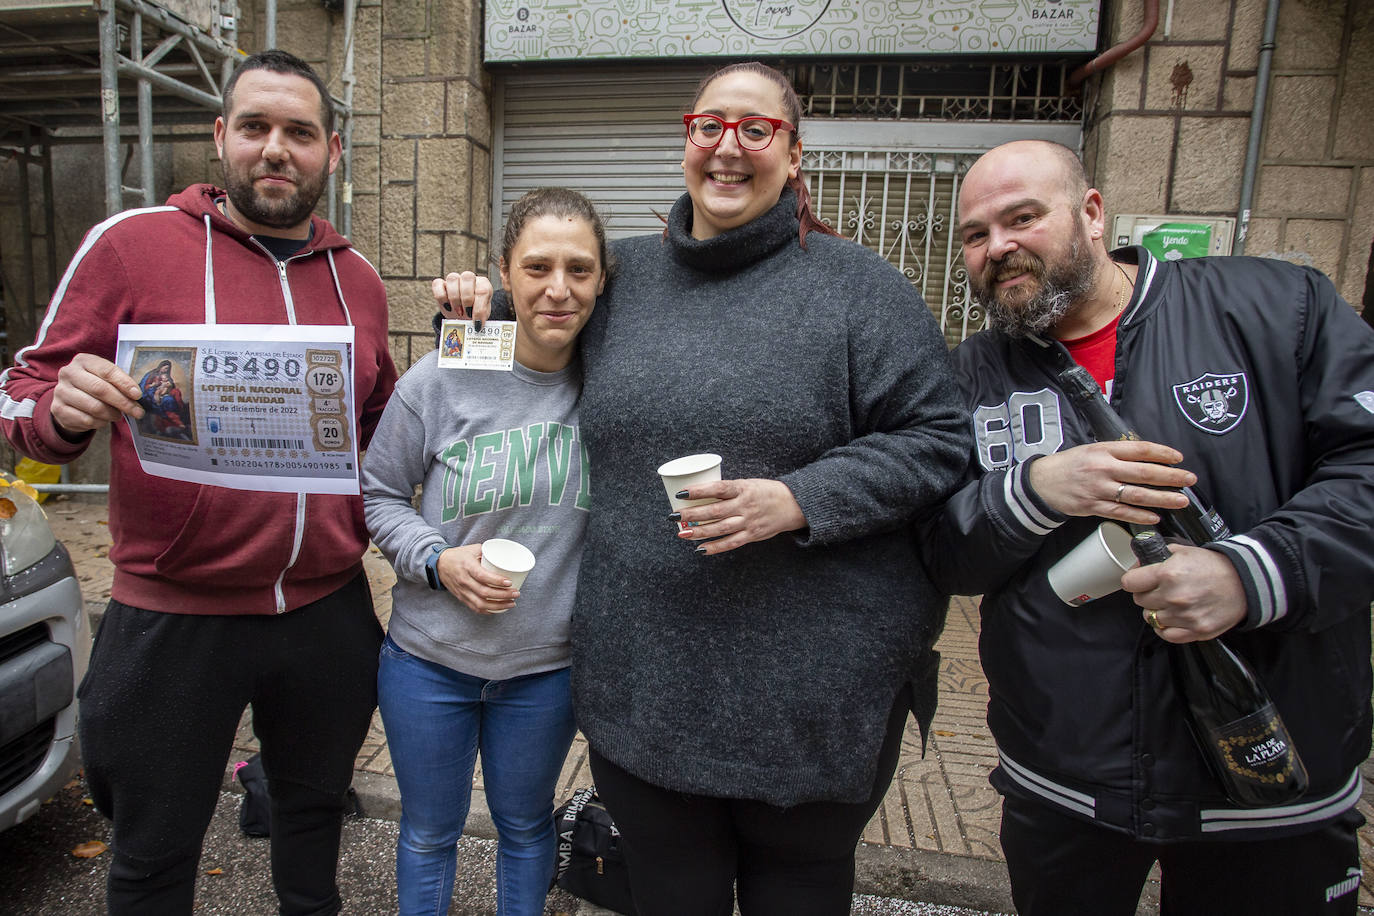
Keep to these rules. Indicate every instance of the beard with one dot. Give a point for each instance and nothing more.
(1033, 307)
(277, 212)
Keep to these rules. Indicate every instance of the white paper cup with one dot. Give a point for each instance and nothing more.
(512, 560)
(1094, 567)
(681, 473)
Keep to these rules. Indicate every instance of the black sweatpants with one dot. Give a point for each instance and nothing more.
(1061, 866)
(688, 855)
(159, 708)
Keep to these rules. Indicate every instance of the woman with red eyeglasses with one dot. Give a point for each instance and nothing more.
(744, 684)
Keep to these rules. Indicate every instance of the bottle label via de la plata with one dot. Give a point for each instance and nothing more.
(1257, 747)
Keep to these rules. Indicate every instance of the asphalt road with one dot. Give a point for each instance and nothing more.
(39, 876)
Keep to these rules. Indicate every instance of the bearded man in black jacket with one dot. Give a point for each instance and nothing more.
(1248, 379)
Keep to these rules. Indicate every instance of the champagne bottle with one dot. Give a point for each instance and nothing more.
(1195, 522)
(1230, 714)
(1232, 718)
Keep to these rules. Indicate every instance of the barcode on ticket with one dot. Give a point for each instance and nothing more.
(248, 442)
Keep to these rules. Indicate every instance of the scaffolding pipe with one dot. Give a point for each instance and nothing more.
(229, 20)
(269, 32)
(109, 104)
(52, 75)
(204, 70)
(170, 23)
(30, 42)
(145, 115)
(161, 51)
(49, 215)
(166, 83)
(71, 487)
(72, 139)
(26, 230)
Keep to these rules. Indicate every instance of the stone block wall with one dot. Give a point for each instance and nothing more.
(1170, 122)
(421, 137)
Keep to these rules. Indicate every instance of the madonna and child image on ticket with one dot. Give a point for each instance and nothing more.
(462, 346)
(252, 407)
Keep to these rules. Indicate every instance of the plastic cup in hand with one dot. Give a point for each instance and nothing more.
(509, 559)
(1093, 568)
(684, 472)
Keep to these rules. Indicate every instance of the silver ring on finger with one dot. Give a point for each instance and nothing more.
(1119, 490)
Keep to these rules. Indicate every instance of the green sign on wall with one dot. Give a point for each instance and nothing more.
(1172, 241)
(534, 30)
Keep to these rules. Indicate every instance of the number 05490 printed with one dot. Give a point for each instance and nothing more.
(253, 407)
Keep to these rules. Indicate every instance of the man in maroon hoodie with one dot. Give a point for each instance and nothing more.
(221, 598)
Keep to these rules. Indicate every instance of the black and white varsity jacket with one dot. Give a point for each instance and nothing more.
(1263, 377)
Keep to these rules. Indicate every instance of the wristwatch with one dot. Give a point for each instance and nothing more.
(432, 567)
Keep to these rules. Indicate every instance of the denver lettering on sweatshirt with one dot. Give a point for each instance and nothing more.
(511, 467)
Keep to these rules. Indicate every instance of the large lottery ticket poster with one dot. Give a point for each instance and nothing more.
(253, 407)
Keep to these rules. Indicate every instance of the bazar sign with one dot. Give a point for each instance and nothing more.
(535, 30)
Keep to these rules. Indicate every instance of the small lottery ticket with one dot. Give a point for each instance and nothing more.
(462, 346)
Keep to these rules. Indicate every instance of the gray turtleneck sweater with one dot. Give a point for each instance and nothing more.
(767, 672)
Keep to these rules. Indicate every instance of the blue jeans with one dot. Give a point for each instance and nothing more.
(436, 720)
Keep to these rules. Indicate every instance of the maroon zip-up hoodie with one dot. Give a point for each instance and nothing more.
(182, 547)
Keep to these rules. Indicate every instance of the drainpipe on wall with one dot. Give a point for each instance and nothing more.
(1252, 151)
(1114, 54)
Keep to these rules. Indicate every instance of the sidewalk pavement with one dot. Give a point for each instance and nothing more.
(934, 839)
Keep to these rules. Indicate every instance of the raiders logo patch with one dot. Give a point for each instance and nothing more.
(1214, 403)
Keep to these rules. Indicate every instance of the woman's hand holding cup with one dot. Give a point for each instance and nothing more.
(464, 577)
(744, 511)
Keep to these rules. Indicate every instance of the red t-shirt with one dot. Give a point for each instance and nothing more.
(1096, 352)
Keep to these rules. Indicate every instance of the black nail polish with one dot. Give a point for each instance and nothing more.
(477, 326)
(700, 548)
(674, 516)
(681, 494)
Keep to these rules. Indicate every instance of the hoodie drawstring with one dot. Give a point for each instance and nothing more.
(209, 274)
(334, 272)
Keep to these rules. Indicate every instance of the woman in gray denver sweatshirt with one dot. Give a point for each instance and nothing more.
(465, 667)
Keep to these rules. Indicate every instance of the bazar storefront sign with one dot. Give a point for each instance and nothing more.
(534, 30)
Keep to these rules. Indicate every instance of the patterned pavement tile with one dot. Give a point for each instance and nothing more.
(940, 802)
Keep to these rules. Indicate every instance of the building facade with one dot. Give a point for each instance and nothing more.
(459, 110)
(460, 106)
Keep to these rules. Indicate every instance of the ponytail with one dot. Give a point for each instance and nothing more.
(805, 215)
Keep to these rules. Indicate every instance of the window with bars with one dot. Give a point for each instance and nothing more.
(895, 189)
(941, 92)
(901, 204)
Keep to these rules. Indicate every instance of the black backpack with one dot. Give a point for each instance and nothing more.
(589, 862)
(255, 811)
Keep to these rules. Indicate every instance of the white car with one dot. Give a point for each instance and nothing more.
(45, 644)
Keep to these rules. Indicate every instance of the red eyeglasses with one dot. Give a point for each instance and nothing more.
(754, 134)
